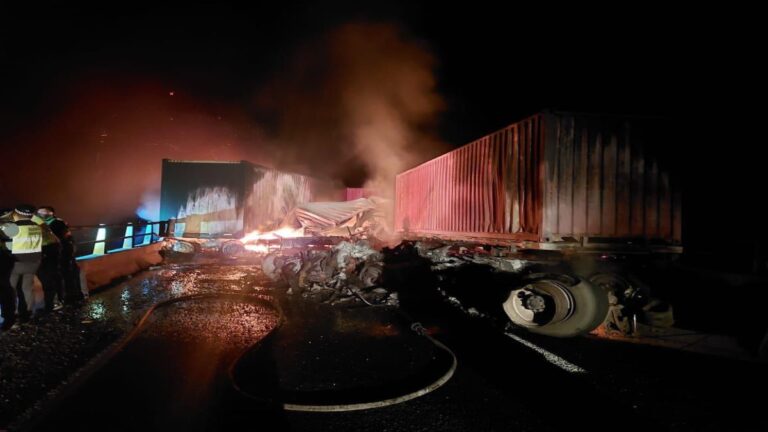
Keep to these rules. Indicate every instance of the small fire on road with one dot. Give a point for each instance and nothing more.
(254, 241)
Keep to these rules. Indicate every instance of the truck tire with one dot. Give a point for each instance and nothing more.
(232, 249)
(183, 247)
(576, 306)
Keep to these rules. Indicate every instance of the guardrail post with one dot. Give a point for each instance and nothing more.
(128, 240)
(100, 245)
(163, 228)
(147, 235)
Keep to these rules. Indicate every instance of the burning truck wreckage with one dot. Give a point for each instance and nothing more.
(548, 225)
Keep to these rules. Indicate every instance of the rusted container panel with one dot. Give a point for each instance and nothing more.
(618, 184)
(546, 178)
(488, 188)
(271, 195)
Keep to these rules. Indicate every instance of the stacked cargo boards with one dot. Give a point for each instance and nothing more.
(548, 178)
(229, 199)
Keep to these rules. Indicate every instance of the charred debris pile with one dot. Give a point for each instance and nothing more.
(360, 270)
(364, 272)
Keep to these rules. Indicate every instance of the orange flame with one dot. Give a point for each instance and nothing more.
(259, 248)
(256, 236)
(285, 232)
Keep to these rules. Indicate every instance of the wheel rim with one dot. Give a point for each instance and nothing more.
(542, 302)
(611, 283)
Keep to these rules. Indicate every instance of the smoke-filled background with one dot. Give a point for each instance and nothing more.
(356, 91)
(358, 105)
(98, 157)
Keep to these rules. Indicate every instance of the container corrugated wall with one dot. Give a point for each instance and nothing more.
(544, 178)
(206, 197)
(601, 182)
(488, 188)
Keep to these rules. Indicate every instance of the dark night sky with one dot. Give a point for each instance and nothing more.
(493, 66)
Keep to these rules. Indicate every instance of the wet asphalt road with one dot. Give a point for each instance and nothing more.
(160, 383)
(172, 374)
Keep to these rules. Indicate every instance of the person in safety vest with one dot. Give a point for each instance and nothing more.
(7, 293)
(27, 250)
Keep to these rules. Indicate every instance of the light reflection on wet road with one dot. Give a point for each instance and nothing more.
(170, 378)
(127, 302)
(173, 373)
(169, 374)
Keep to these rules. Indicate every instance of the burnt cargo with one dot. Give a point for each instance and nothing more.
(548, 178)
(223, 199)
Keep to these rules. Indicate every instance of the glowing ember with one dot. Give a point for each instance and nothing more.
(285, 232)
(259, 248)
(256, 236)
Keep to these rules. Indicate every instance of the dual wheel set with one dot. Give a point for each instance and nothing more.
(558, 305)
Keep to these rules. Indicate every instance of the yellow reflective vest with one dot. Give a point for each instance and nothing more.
(28, 240)
(48, 236)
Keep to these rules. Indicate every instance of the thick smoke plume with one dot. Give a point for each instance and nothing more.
(357, 104)
(360, 104)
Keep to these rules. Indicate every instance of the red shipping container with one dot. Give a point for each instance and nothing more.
(548, 177)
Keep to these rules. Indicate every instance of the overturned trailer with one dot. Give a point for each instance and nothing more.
(554, 187)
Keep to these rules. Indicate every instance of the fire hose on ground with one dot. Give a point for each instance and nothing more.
(415, 326)
(141, 323)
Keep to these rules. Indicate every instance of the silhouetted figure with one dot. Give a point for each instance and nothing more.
(70, 272)
(7, 293)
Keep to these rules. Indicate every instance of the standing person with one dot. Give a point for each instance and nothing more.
(49, 272)
(27, 250)
(8, 229)
(70, 272)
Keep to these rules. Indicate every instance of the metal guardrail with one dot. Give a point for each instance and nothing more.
(97, 240)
